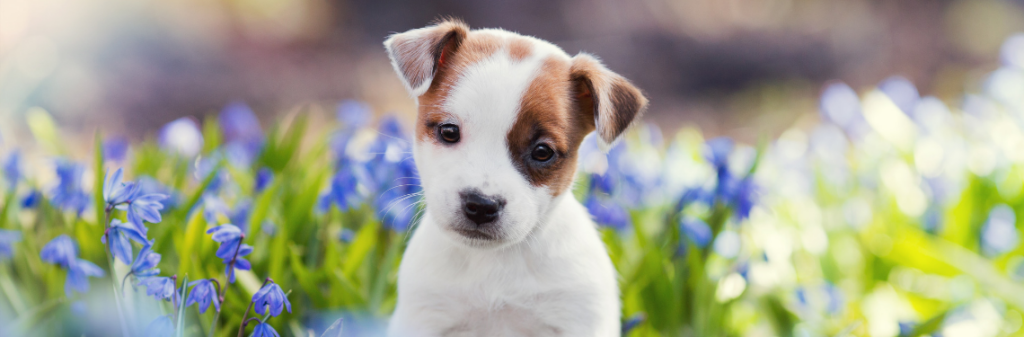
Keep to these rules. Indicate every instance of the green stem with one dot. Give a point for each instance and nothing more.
(241, 327)
(113, 278)
(10, 291)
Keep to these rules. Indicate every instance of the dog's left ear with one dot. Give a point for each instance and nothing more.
(418, 54)
(605, 98)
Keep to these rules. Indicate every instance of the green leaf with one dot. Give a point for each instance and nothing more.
(99, 174)
(929, 326)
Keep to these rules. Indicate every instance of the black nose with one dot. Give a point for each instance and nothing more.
(480, 208)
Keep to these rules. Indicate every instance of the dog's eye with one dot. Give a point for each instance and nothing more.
(449, 133)
(542, 152)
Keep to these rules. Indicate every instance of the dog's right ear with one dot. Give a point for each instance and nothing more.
(417, 54)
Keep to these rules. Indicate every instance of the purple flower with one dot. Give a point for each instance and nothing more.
(117, 240)
(145, 264)
(145, 208)
(7, 240)
(12, 169)
(632, 322)
(61, 251)
(271, 296)
(1012, 52)
(115, 148)
(240, 215)
(240, 124)
(182, 136)
(344, 188)
(696, 230)
(264, 330)
(999, 233)
(901, 91)
(232, 250)
(229, 236)
(116, 192)
(354, 114)
(79, 273)
(346, 235)
(203, 292)
(239, 262)
(69, 194)
(841, 105)
(263, 178)
(160, 327)
(742, 196)
(161, 288)
(607, 212)
(32, 199)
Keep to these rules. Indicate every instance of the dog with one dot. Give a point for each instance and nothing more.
(503, 248)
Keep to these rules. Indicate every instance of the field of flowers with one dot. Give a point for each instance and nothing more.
(890, 214)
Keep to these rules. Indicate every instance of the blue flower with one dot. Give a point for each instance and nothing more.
(115, 191)
(240, 125)
(148, 185)
(61, 251)
(841, 105)
(344, 188)
(145, 208)
(145, 264)
(607, 212)
(160, 327)
(263, 178)
(79, 273)
(742, 196)
(999, 233)
(632, 322)
(264, 330)
(181, 136)
(115, 148)
(161, 288)
(69, 194)
(203, 292)
(1012, 52)
(232, 250)
(240, 215)
(229, 236)
(7, 240)
(346, 235)
(12, 169)
(901, 91)
(214, 208)
(117, 240)
(696, 230)
(354, 114)
(271, 296)
(32, 199)
(239, 263)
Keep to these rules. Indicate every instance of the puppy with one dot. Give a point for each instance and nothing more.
(504, 249)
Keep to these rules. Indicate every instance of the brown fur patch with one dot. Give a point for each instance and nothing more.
(416, 55)
(615, 103)
(475, 47)
(549, 114)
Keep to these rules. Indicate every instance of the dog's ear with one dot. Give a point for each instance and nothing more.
(605, 98)
(417, 54)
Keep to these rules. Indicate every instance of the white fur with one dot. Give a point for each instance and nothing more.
(546, 274)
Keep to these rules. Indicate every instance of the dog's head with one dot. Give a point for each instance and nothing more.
(501, 117)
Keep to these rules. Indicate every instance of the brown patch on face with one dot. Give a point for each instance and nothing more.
(476, 47)
(548, 115)
(519, 49)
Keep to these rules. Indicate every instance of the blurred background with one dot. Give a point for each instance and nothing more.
(742, 68)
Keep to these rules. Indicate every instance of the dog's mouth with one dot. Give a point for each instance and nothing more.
(474, 234)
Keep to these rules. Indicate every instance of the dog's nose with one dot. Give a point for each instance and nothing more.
(480, 208)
